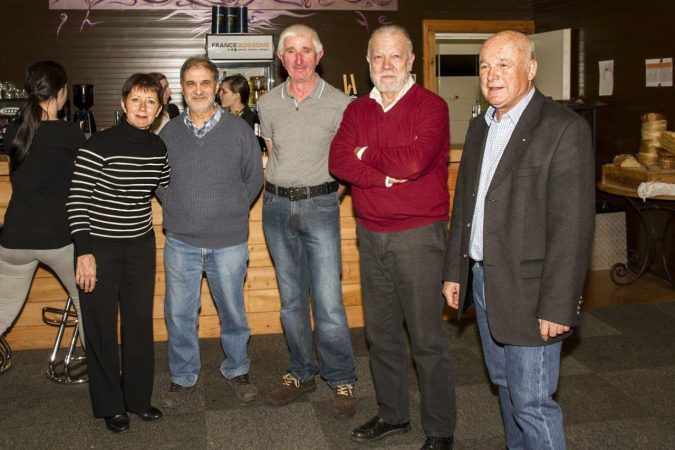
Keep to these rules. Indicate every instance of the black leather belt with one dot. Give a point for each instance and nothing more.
(302, 193)
(478, 263)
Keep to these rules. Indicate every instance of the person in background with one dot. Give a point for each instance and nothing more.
(392, 147)
(110, 217)
(233, 96)
(169, 110)
(301, 221)
(42, 152)
(216, 175)
(521, 235)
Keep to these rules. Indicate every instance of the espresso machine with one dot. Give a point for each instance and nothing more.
(83, 99)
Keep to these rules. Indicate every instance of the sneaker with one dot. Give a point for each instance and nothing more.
(245, 391)
(344, 402)
(178, 395)
(290, 389)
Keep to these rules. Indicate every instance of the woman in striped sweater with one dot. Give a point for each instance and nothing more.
(111, 224)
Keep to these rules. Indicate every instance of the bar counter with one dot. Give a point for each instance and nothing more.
(260, 288)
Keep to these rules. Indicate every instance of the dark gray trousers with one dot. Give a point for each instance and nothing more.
(401, 280)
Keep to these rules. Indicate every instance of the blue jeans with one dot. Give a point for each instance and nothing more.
(527, 378)
(304, 241)
(225, 270)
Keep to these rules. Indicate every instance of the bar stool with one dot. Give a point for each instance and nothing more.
(72, 369)
(5, 355)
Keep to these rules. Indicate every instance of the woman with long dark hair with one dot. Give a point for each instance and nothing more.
(42, 152)
(116, 172)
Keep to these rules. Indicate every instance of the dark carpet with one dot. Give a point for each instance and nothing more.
(617, 391)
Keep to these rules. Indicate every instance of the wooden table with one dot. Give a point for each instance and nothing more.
(657, 236)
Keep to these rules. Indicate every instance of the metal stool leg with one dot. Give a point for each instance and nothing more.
(5, 355)
(71, 369)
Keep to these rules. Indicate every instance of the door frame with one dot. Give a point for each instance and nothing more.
(431, 27)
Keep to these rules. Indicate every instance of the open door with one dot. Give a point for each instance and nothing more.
(451, 65)
(554, 55)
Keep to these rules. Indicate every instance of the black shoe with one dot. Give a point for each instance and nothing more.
(150, 414)
(376, 429)
(117, 423)
(438, 443)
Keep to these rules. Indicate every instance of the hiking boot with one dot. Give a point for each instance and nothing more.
(178, 395)
(245, 391)
(290, 389)
(344, 402)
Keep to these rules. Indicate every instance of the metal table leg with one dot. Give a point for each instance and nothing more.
(656, 239)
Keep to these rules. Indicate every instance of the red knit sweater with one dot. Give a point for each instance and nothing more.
(410, 141)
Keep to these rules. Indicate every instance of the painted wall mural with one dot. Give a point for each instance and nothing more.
(351, 5)
(261, 13)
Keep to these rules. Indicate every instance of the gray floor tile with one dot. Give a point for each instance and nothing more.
(654, 389)
(623, 352)
(629, 434)
(635, 319)
(590, 398)
(265, 428)
(591, 326)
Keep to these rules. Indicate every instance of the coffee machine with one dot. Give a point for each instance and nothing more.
(9, 108)
(83, 99)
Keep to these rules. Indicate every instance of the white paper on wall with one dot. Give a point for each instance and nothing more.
(606, 78)
(659, 72)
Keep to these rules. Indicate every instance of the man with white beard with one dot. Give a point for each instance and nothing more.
(392, 147)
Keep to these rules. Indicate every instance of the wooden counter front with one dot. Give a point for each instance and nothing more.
(260, 287)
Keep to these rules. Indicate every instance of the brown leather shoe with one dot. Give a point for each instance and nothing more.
(344, 401)
(178, 395)
(243, 388)
(290, 389)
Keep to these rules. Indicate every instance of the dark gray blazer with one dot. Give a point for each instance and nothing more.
(539, 220)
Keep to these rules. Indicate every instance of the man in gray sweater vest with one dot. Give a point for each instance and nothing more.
(218, 174)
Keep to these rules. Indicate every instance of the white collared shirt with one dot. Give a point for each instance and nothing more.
(377, 95)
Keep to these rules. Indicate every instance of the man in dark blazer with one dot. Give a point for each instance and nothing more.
(521, 235)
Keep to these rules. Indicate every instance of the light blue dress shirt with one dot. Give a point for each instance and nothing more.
(498, 137)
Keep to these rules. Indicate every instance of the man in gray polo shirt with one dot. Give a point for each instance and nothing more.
(301, 220)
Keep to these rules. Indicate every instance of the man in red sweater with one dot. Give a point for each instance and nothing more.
(392, 147)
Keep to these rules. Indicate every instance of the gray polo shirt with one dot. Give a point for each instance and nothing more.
(301, 133)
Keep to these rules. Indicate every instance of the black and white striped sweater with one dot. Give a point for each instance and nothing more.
(115, 174)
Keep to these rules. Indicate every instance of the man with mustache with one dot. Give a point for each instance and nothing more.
(392, 147)
(218, 174)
